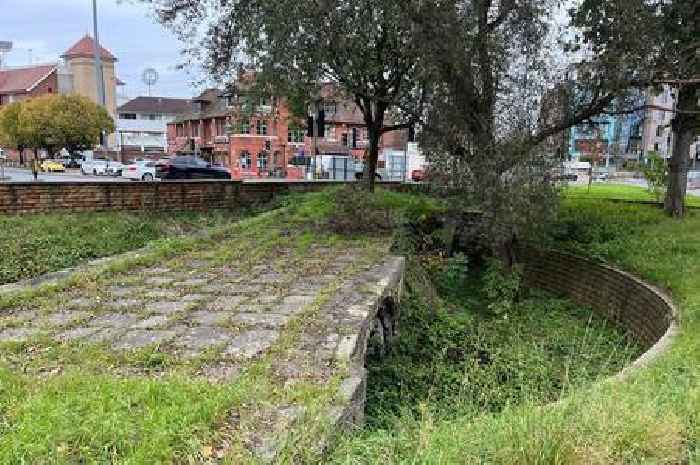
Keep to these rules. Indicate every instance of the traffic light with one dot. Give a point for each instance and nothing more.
(321, 120)
(310, 126)
(320, 124)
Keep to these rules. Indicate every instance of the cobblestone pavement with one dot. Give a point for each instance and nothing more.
(212, 315)
(187, 309)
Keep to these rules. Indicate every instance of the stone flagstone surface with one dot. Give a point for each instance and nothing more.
(313, 316)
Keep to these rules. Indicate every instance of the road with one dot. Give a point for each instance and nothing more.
(25, 175)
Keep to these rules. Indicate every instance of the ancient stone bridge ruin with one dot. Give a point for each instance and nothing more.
(293, 321)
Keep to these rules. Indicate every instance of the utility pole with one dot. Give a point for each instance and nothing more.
(99, 76)
(316, 108)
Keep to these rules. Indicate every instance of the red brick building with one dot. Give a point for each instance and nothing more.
(257, 136)
(258, 144)
(26, 82)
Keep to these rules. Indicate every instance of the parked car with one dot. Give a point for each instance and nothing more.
(418, 175)
(693, 179)
(140, 170)
(51, 166)
(600, 175)
(69, 162)
(114, 168)
(190, 167)
(95, 167)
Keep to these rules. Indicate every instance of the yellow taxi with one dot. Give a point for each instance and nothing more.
(51, 165)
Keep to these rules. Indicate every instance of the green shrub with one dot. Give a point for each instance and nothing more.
(356, 211)
(352, 210)
(656, 173)
(454, 359)
(455, 271)
(501, 287)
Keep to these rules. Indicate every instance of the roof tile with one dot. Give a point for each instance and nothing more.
(173, 106)
(18, 80)
(85, 48)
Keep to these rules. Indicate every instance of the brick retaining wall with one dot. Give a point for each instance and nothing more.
(177, 195)
(644, 311)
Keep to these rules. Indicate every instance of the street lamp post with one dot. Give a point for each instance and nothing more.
(99, 75)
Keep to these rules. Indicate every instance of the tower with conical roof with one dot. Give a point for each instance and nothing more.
(80, 62)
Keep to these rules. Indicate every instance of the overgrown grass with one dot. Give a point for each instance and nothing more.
(67, 404)
(619, 192)
(101, 419)
(31, 245)
(459, 359)
(653, 417)
(87, 415)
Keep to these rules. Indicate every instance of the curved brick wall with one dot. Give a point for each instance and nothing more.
(647, 313)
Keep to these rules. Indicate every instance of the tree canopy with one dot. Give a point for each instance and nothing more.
(54, 122)
(364, 47)
(647, 45)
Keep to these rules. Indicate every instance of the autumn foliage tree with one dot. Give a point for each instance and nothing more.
(11, 129)
(54, 122)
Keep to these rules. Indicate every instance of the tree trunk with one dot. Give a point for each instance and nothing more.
(506, 253)
(35, 164)
(683, 125)
(369, 175)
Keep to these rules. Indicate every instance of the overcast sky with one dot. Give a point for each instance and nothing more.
(43, 29)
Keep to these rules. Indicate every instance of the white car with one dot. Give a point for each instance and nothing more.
(115, 168)
(141, 170)
(96, 167)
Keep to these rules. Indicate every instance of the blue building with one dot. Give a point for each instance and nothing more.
(615, 137)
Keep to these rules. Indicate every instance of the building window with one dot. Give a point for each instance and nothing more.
(295, 135)
(243, 127)
(262, 160)
(364, 135)
(262, 127)
(344, 140)
(245, 162)
(329, 132)
(329, 107)
(180, 130)
(127, 116)
(659, 131)
(354, 135)
(220, 123)
(195, 129)
(656, 147)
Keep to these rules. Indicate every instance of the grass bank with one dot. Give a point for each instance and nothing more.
(651, 418)
(31, 245)
(604, 190)
(68, 403)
